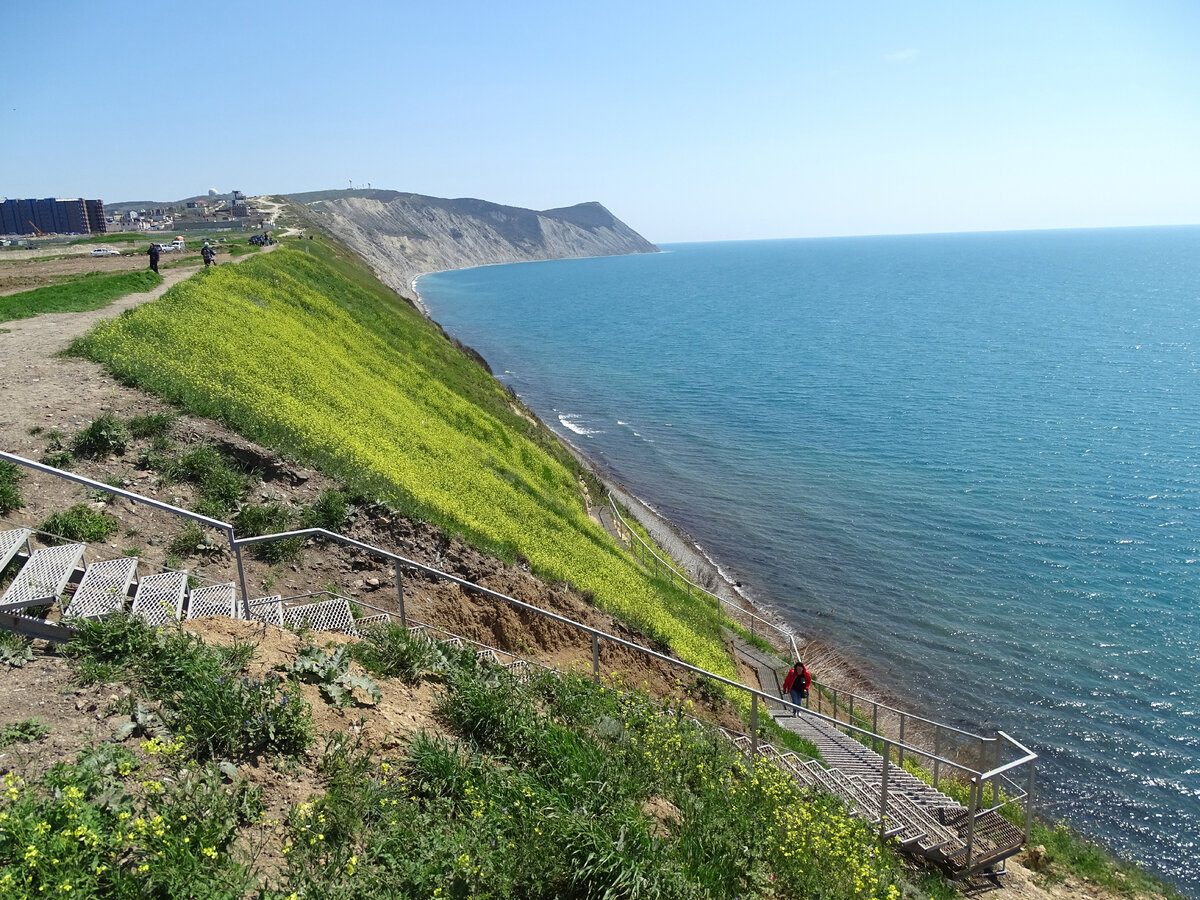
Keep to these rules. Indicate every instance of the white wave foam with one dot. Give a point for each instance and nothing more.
(572, 422)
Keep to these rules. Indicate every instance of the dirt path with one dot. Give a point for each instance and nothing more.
(38, 387)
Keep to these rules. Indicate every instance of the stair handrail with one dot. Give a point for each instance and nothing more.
(788, 635)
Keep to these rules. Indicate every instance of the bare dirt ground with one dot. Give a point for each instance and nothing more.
(40, 390)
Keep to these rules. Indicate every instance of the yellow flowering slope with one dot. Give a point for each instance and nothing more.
(289, 352)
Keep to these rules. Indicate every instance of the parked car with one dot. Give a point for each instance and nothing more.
(105, 251)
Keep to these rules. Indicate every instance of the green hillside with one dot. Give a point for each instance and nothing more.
(307, 353)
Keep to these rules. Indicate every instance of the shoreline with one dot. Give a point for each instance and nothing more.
(832, 667)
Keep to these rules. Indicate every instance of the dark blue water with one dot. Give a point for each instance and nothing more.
(970, 460)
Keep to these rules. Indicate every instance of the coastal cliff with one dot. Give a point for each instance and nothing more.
(405, 235)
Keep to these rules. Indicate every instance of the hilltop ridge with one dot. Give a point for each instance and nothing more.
(404, 235)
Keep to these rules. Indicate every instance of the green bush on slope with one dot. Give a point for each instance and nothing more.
(292, 353)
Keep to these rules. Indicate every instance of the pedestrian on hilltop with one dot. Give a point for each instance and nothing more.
(153, 251)
(796, 684)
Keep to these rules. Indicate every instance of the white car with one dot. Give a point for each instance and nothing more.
(105, 251)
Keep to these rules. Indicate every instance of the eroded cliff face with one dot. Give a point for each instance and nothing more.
(405, 235)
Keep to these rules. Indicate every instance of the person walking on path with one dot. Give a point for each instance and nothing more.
(796, 684)
(153, 251)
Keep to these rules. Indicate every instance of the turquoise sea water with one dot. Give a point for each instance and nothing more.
(972, 461)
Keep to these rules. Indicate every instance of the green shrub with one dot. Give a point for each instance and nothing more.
(15, 650)
(269, 518)
(10, 494)
(81, 523)
(331, 671)
(107, 435)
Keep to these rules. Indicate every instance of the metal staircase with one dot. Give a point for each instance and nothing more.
(921, 819)
(56, 588)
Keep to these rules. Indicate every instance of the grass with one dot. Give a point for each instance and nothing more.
(570, 789)
(213, 711)
(269, 518)
(80, 523)
(559, 788)
(10, 491)
(93, 291)
(308, 354)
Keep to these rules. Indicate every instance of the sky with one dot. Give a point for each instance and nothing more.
(690, 121)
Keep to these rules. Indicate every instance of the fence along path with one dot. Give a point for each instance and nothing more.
(961, 839)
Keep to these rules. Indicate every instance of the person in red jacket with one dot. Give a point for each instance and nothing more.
(797, 683)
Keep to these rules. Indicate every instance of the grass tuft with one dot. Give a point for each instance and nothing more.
(81, 523)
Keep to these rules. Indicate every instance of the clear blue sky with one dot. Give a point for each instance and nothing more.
(690, 121)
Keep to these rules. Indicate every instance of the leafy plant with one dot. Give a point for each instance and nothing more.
(331, 672)
(15, 650)
(23, 732)
(221, 484)
(107, 435)
(81, 523)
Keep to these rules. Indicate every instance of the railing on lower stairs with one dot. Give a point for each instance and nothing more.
(980, 830)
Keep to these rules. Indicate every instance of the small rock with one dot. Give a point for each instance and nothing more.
(373, 582)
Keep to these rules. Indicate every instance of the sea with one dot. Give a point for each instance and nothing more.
(969, 461)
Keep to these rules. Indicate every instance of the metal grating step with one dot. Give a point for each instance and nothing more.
(368, 621)
(159, 597)
(43, 577)
(104, 589)
(324, 615)
(11, 542)
(214, 600)
(267, 609)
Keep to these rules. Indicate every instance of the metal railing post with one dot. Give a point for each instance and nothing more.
(850, 713)
(237, 554)
(819, 693)
(900, 761)
(883, 789)
(400, 596)
(937, 752)
(976, 788)
(875, 719)
(595, 657)
(1029, 801)
(753, 725)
